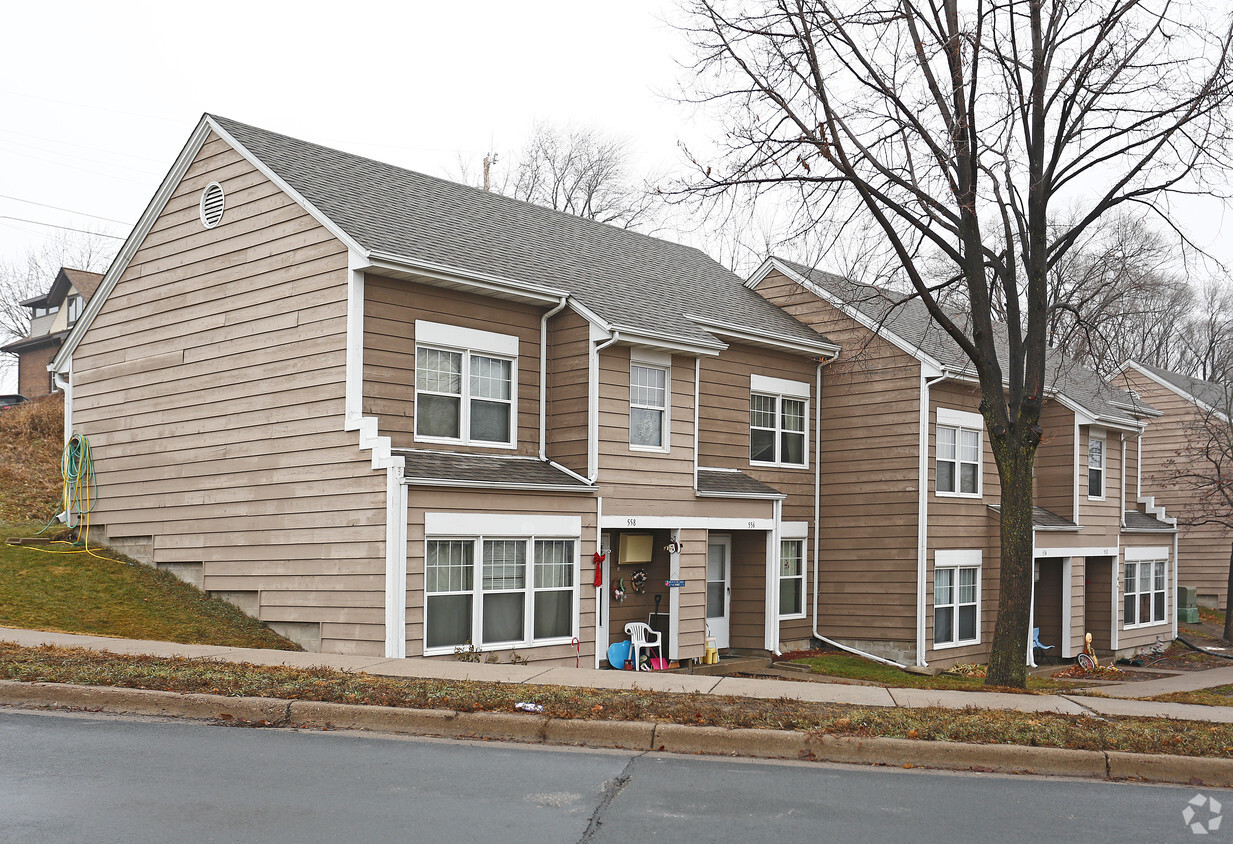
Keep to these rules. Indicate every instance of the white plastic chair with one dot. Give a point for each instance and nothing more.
(643, 638)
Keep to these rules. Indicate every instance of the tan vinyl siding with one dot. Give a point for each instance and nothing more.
(1101, 518)
(211, 386)
(870, 426)
(391, 308)
(1203, 549)
(479, 503)
(1055, 461)
(568, 385)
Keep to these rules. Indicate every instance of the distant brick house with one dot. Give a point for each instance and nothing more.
(52, 314)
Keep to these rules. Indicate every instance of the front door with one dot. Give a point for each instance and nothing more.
(718, 588)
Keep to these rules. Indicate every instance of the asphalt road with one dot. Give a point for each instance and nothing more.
(73, 778)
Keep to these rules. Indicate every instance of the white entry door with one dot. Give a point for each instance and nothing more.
(718, 588)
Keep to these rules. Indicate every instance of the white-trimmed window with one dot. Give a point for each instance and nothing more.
(956, 598)
(1144, 593)
(465, 385)
(649, 390)
(499, 591)
(792, 578)
(778, 422)
(1096, 466)
(959, 453)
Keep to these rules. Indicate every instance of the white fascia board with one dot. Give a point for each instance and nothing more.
(764, 338)
(755, 496)
(125, 256)
(453, 484)
(1173, 388)
(596, 321)
(1075, 552)
(684, 523)
(871, 324)
(480, 281)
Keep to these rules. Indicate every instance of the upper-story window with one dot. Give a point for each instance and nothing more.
(778, 421)
(465, 385)
(41, 311)
(959, 453)
(650, 380)
(74, 305)
(1096, 466)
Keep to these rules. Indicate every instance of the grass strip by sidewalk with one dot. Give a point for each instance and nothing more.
(1140, 735)
(1215, 696)
(848, 667)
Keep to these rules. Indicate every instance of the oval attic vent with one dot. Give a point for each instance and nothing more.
(212, 205)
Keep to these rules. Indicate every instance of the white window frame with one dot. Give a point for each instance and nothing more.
(468, 343)
(1103, 468)
(780, 389)
(800, 543)
(528, 590)
(1145, 559)
(959, 421)
(647, 359)
(75, 306)
(957, 561)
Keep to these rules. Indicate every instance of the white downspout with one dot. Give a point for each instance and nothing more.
(65, 385)
(817, 521)
(593, 407)
(1122, 511)
(543, 376)
(922, 513)
(697, 395)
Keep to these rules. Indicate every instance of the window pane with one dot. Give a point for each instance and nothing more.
(437, 416)
(1159, 607)
(715, 562)
(1096, 453)
(438, 371)
(448, 621)
(1095, 483)
(646, 427)
(1145, 606)
(1130, 577)
(554, 614)
(968, 478)
(967, 586)
(793, 415)
(490, 378)
(503, 617)
(790, 596)
(967, 623)
(793, 448)
(449, 566)
(505, 564)
(969, 446)
(946, 476)
(647, 386)
(762, 411)
(943, 584)
(943, 620)
(715, 600)
(1160, 577)
(790, 558)
(554, 564)
(762, 445)
(946, 443)
(1128, 610)
(490, 421)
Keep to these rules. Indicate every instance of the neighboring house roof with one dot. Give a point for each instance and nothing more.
(1208, 393)
(1136, 520)
(908, 320)
(732, 483)
(34, 342)
(67, 278)
(629, 280)
(436, 468)
(85, 282)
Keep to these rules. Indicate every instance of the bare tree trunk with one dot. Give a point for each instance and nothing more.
(1228, 616)
(1008, 660)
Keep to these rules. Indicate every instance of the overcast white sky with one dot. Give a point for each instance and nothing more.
(98, 98)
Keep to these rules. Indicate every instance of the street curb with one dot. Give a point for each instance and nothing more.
(629, 735)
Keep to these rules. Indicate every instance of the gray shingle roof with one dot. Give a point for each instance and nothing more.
(1045, 519)
(1136, 520)
(1208, 392)
(909, 319)
(440, 469)
(630, 280)
(734, 483)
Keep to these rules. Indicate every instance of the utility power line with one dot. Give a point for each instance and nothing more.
(66, 228)
(65, 210)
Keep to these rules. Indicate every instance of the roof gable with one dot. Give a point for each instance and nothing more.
(1207, 394)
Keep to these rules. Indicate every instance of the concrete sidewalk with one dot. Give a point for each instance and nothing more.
(767, 689)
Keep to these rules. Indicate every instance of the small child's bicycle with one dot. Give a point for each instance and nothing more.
(1087, 659)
